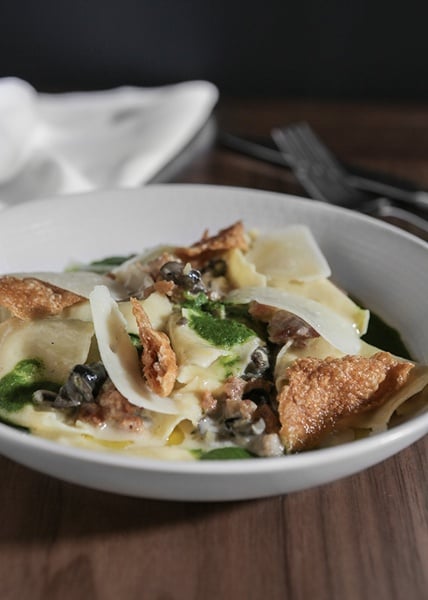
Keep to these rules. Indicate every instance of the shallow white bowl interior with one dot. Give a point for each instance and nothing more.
(379, 264)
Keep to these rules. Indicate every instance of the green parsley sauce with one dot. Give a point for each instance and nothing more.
(383, 336)
(229, 364)
(222, 333)
(18, 386)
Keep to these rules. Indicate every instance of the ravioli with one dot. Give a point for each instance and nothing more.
(290, 254)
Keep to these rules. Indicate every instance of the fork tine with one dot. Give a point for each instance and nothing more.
(296, 153)
(324, 178)
(319, 150)
(322, 181)
(301, 139)
(297, 159)
(285, 142)
(294, 140)
(314, 149)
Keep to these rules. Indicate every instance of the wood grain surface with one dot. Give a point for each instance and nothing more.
(364, 537)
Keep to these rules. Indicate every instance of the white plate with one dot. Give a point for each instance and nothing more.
(381, 265)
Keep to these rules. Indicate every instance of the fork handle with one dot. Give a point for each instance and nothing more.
(416, 198)
(383, 208)
(376, 183)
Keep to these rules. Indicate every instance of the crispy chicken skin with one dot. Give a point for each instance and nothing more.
(320, 393)
(209, 246)
(31, 298)
(158, 359)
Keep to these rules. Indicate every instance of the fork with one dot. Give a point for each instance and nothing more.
(324, 178)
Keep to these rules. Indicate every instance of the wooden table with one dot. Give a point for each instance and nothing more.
(365, 537)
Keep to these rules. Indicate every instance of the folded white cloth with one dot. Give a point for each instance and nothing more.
(80, 141)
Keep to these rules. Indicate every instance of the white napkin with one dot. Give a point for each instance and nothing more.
(80, 141)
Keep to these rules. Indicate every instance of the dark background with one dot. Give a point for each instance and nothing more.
(337, 49)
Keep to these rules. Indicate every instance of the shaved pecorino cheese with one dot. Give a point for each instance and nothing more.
(336, 329)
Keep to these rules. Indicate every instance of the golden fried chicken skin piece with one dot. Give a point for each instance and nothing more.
(158, 359)
(30, 298)
(321, 393)
(209, 246)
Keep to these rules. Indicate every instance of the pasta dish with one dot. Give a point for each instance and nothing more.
(238, 345)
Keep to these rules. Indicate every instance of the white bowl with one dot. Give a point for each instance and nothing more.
(381, 265)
